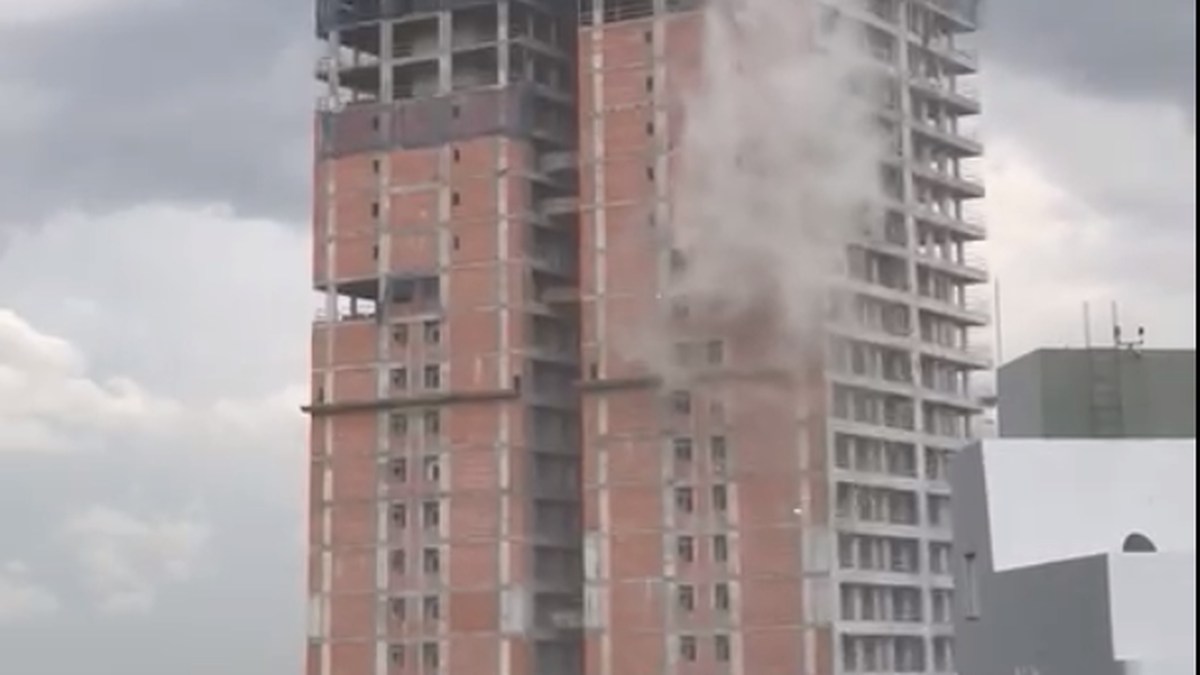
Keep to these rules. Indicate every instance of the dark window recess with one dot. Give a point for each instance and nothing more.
(433, 423)
(431, 515)
(399, 424)
(720, 548)
(721, 597)
(722, 648)
(685, 549)
(374, 209)
(400, 469)
(685, 500)
(399, 515)
(455, 199)
(375, 123)
(431, 655)
(375, 252)
(687, 648)
(432, 378)
(455, 111)
(970, 592)
(593, 371)
(719, 450)
(648, 36)
(678, 260)
(681, 403)
(432, 332)
(457, 155)
(431, 608)
(682, 448)
(649, 128)
(399, 377)
(649, 84)
(374, 166)
(402, 292)
(432, 469)
(687, 598)
(432, 561)
(454, 242)
(715, 351)
(720, 498)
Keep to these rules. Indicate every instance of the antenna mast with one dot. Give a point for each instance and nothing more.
(1106, 372)
(1133, 346)
(1087, 325)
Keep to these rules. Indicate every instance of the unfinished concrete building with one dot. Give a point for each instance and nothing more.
(445, 507)
(497, 487)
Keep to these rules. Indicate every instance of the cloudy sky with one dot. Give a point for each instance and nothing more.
(153, 310)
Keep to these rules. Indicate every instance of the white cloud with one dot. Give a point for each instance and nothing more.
(175, 370)
(50, 404)
(1127, 158)
(196, 304)
(1093, 202)
(195, 323)
(20, 596)
(127, 558)
(47, 399)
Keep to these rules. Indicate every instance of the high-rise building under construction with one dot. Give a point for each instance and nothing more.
(497, 486)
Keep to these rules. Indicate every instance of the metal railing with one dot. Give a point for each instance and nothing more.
(329, 63)
(975, 222)
(947, 49)
(975, 261)
(971, 173)
(967, 90)
(979, 352)
(970, 261)
(947, 130)
(978, 306)
(946, 87)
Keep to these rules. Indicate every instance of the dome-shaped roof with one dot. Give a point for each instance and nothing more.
(1137, 542)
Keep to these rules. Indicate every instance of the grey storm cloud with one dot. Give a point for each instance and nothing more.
(187, 101)
(1114, 48)
(211, 100)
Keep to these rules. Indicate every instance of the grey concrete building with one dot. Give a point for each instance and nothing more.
(1075, 557)
(1099, 393)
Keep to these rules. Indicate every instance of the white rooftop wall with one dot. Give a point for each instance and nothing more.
(1052, 499)
(1153, 599)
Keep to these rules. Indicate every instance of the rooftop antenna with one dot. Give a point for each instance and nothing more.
(1133, 346)
(1087, 325)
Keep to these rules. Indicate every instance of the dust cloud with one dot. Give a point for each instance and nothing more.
(780, 167)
